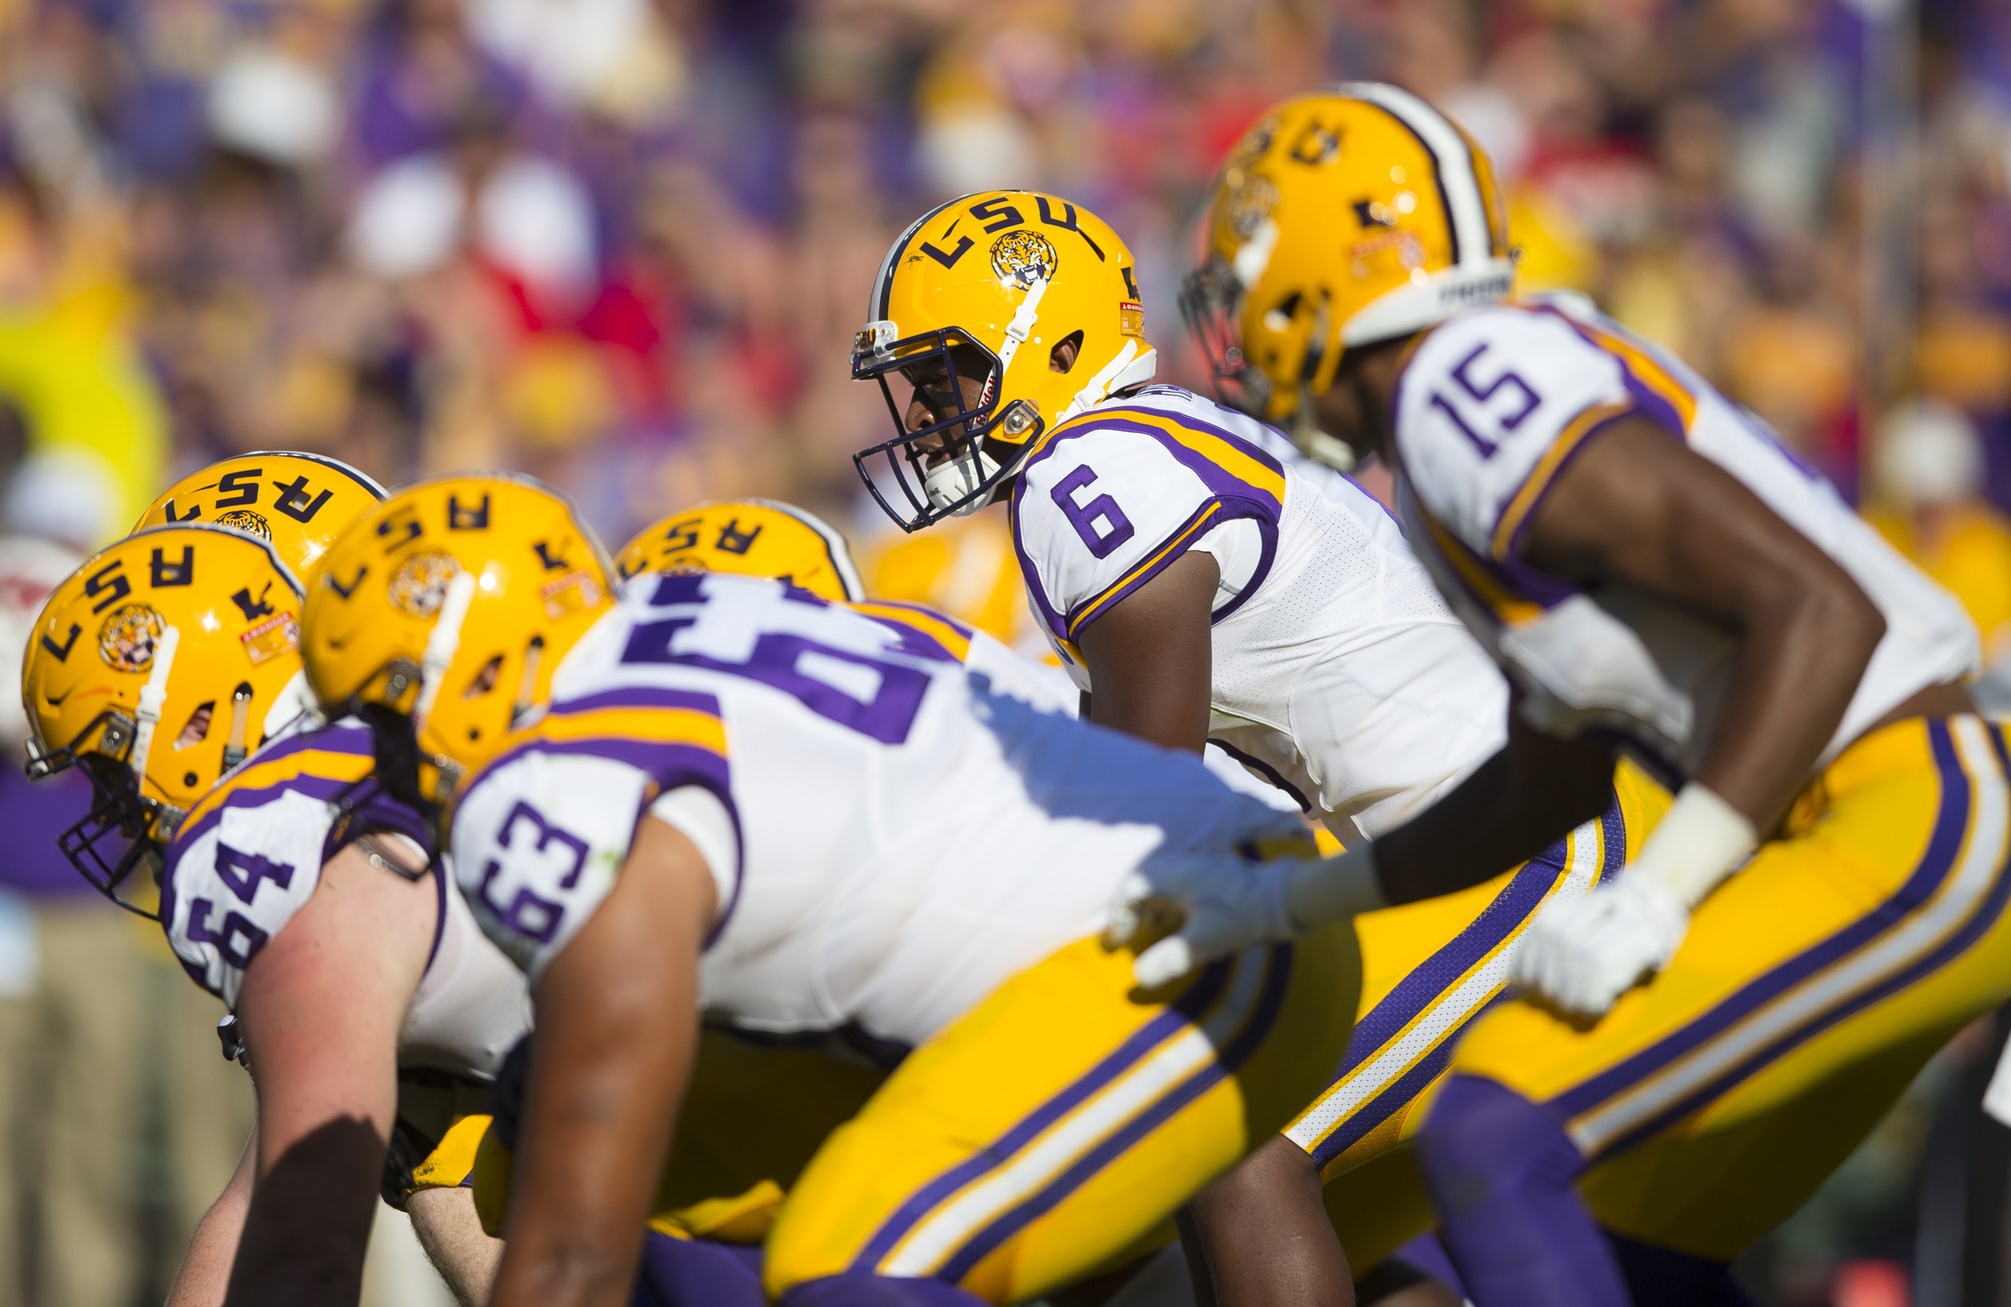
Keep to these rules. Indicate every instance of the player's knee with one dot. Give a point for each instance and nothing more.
(1275, 1168)
(1483, 1139)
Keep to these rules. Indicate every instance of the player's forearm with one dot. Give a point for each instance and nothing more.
(451, 1233)
(309, 1220)
(617, 1020)
(1518, 803)
(205, 1271)
(1803, 655)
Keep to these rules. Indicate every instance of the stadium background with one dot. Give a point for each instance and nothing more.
(623, 244)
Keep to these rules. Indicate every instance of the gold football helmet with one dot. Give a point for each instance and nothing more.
(158, 665)
(752, 537)
(989, 289)
(1345, 217)
(300, 502)
(450, 604)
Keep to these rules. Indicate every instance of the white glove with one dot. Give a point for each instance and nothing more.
(1581, 954)
(1222, 902)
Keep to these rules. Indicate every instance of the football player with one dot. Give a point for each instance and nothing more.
(1711, 1032)
(1203, 582)
(761, 537)
(291, 883)
(725, 794)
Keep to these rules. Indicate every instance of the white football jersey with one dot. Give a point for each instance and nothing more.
(1494, 402)
(250, 854)
(890, 839)
(1338, 671)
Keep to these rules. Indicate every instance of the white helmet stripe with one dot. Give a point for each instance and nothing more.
(1458, 179)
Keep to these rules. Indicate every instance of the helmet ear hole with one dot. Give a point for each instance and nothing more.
(196, 729)
(1066, 350)
(485, 680)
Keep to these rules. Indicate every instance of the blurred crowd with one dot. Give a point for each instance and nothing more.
(623, 244)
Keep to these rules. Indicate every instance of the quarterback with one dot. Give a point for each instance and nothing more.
(290, 883)
(1205, 583)
(1708, 1034)
(725, 795)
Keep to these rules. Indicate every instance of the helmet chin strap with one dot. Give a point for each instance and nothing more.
(153, 695)
(442, 645)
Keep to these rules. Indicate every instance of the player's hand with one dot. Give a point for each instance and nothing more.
(1215, 904)
(1582, 954)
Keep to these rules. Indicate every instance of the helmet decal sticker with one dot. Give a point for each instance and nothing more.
(570, 593)
(419, 586)
(129, 637)
(1023, 258)
(276, 635)
(243, 519)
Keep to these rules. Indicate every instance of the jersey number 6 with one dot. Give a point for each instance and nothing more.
(1083, 517)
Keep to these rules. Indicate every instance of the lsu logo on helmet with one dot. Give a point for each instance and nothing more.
(157, 667)
(1003, 313)
(299, 502)
(450, 604)
(751, 537)
(129, 637)
(1343, 218)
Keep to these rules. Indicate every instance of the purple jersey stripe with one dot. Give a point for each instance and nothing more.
(1050, 616)
(324, 788)
(1942, 850)
(1182, 415)
(341, 737)
(1278, 971)
(922, 610)
(638, 696)
(1218, 479)
(1152, 1034)
(1267, 553)
(1953, 947)
(661, 760)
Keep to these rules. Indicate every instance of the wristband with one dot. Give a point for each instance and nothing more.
(1699, 842)
(1328, 890)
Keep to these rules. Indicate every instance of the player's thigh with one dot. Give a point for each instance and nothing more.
(1808, 989)
(1051, 1131)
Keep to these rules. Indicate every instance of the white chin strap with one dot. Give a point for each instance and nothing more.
(442, 645)
(152, 696)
